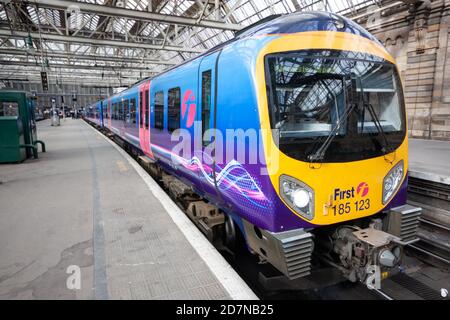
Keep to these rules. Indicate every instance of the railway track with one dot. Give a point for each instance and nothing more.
(429, 193)
(403, 286)
(434, 243)
(430, 188)
(434, 230)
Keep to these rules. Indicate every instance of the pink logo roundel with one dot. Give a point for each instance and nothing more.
(362, 189)
(188, 105)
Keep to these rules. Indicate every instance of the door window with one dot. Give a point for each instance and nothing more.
(206, 102)
(174, 109)
(147, 109)
(141, 110)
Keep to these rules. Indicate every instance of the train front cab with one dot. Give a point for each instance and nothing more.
(344, 175)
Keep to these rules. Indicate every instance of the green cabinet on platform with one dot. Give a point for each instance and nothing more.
(18, 136)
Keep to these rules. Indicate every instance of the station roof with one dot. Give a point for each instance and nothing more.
(119, 42)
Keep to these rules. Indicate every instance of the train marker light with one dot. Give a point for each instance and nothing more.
(391, 181)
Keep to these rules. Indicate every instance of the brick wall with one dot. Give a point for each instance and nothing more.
(419, 38)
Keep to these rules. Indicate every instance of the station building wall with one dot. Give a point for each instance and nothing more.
(419, 39)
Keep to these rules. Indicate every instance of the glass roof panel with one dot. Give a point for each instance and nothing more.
(3, 15)
(243, 12)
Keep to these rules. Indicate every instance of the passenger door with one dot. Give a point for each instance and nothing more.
(109, 113)
(205, 116)
(101, 114)
(144, 118)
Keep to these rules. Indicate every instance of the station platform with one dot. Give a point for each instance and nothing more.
(86, 208)
(429, 160)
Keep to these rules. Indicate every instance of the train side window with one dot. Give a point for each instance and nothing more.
(104, 109)
(174, 109)
(206, 101)
(141, 111)
(126, 111)
(121, 110)
(159, 110)
(133, 110)
(147, 109)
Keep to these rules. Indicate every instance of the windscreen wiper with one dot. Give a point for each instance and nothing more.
(320, 153)
(387, 147)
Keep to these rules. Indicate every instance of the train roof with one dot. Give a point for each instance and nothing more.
(304, 22)
(287, 24)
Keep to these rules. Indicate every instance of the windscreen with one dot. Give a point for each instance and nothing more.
(310, 93)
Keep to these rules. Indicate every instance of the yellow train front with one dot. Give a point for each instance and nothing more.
(333, 127)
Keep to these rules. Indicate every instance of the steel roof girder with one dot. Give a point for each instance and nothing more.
(136, 14)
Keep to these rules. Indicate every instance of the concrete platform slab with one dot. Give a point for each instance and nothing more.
(86, 203)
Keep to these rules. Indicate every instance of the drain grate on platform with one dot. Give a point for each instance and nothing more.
(417, 287)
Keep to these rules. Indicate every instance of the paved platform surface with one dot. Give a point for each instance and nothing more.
(429, 160)
(84, 204)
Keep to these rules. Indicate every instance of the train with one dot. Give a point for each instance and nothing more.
(291, 136)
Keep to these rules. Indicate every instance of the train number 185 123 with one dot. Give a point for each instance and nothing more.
(346, 207)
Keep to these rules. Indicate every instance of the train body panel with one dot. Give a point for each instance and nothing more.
(296, 124)
(244, 186)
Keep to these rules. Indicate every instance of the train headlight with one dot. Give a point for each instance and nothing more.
(301, 198)
(391, 181)
(298, 195)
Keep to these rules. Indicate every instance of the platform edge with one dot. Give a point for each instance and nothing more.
(225, 274)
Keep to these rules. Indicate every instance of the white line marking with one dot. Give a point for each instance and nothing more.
(230, 280)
